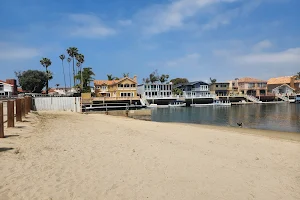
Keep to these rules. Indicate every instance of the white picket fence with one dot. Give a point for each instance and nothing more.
(57, 103)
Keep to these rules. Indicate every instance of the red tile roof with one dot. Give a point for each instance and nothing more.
(250, 80)
(280, 80)
(112, 82)
(5, 82)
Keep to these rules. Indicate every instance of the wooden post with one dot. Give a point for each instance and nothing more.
(18, 110)
(10, 113)
(1, 121)
(23, 107)
(26, 105)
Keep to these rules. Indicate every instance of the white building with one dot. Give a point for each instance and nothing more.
(284, 90)
(197, 89)
(155, 91)
(6, 89)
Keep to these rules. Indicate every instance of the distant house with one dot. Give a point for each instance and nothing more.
(284, 90)
(220, 89)
(155, 90)
(7, 89)
(124, 88)
(283, 80)
(195, 89)
(249, 86)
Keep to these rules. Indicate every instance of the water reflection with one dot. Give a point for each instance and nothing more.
(282, 117)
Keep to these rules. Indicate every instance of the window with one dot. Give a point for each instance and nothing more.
(104, 87)
(126, 85)
(1, 86)
(132, 85)
(120, 85)
(217, 85)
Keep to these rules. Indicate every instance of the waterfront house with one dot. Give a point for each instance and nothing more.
(8, 88)
(122, 89)
(197, 89)
(156, 90)
(249, 86)
(219, 89)
(283, 81)
(284, 89)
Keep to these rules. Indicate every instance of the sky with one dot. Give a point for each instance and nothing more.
(194, 39)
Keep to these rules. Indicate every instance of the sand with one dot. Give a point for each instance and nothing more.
(79, 156)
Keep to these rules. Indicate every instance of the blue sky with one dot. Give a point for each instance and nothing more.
(196, 39)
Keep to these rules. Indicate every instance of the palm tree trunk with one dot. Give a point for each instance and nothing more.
(47, 83)
(70, 75)
(73, 73)
(62, 62)
(81, 80)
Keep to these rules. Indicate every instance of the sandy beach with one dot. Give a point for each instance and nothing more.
(79, 156)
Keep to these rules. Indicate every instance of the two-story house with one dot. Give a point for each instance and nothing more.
(153, 90)
(8, 88)
(195, 89)
(250, 86)
(124, 88)
(283, 85)
(219, 89)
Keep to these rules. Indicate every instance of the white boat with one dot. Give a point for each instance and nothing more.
(177, 104)
(152, 105)
(215, 103)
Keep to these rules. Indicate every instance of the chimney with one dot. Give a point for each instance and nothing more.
(14, 83)
(292, 83)
(135, 78)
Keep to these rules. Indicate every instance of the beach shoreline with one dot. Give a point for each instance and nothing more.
(64, 155)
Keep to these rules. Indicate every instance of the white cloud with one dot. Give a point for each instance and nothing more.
(162, 18)
(9, 51)
(88, 26)
(283, 58)
(262, 45)
(125, 22)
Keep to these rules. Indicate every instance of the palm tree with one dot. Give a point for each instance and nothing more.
(69, 60)
(57, 85)
(80, 59)
(72, 52)
(213, 80)
(125, 75)
(62, 57)
(87, 76)
(110, 77)
(46, 62)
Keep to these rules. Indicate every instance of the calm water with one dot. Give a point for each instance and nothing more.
(281, 117)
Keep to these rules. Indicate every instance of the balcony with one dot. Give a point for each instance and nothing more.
(114, 98)
(200, 89)
(127, 88)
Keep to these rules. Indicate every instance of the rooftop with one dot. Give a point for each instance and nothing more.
(111, 82)
(280, 80)
(250, 80)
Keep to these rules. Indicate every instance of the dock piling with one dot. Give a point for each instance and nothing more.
(1, 121)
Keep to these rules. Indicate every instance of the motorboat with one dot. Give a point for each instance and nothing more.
(177, 104)
(215, 103)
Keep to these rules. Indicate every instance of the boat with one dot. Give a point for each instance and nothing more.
(215, 103)
(152, 105)
(177, 104)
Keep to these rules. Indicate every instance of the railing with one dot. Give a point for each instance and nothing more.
(200, 89)
(252, 98)
(127, 88)
(115, 98)
(284, 98)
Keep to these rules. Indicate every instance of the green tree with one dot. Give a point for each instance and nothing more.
(110, 77)
(32, 80)
(213, 80)
(125, 75)
(177, 91)
(57, 85)
(72, 52)
(46, 62)
(70, 77)
(177, 81)
(87, 77)
(62, 57)
(164, 78)
(154, 77)
(146, 80)
(297, 76)
(80, 60)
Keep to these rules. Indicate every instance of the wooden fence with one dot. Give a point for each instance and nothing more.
(13, 110)
(57, 104)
